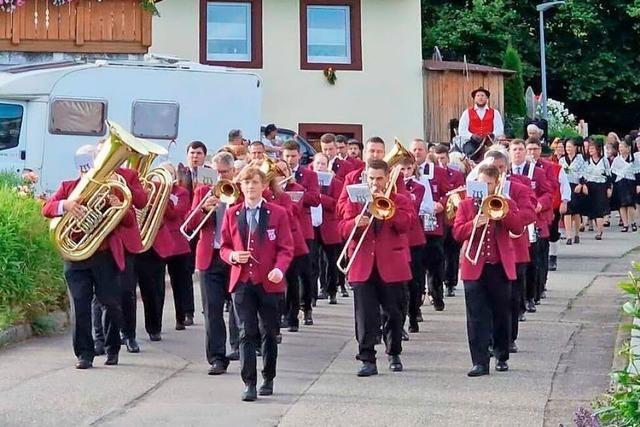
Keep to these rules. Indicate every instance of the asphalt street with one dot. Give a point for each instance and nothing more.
(566, 352)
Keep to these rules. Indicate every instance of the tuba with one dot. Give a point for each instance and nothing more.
(78, 239)
(158, 184)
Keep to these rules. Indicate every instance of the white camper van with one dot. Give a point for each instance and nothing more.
(48, 110)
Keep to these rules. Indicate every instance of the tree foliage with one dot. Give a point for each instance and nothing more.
(514, 104)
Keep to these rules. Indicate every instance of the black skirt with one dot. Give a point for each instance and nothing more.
(597, 204)
(578, 202)
(625, 190)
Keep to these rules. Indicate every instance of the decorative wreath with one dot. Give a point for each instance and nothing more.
(330, 74)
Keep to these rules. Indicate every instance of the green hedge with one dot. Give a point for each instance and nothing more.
(31, 278)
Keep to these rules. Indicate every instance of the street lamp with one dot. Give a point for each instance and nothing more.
(541, 8)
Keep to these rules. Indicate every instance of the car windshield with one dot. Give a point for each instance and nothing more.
(10, 122)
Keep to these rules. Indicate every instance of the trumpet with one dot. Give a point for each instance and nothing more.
(380, 207)
(225, 190)
(495, 207)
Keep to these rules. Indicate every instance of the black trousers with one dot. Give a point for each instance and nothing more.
(416, 286)
(369, 297)
(327, 256)
(213, 287)
(257, 313)
(189, 301)
(234, 332)
(150, 270)
(451, 258)
(544, 265)
(488, 310)
(308, 281)
(97, 276)
(292, 298)
(533, 272)
(517, 291)
(181, 279)
(128, 282)
(554, 228)
(434, 263)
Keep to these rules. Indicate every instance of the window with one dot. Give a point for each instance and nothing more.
(155, 119)
(330, 34)
(10, 123)
(78, 117)
(231, 33)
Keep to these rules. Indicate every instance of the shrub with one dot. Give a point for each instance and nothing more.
(621, 406)
(31, 279)
(514, 104)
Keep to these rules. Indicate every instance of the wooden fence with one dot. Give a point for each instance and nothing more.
(89, 26)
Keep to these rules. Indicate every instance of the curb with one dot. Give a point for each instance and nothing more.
(49, 324)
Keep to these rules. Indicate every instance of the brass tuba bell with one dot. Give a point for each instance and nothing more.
(78, 239)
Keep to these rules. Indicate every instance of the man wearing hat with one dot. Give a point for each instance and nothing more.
(480, 120)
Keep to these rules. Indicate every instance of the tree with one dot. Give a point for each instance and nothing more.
(514, 104)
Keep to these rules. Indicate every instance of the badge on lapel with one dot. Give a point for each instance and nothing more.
(271, 233)
(533, 185)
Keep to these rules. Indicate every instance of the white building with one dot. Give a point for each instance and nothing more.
(373, 45)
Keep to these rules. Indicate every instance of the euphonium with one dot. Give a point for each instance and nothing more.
(158, 183)
(78, 239)
(453, 201)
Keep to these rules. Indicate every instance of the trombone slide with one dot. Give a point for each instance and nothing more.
(196, 230)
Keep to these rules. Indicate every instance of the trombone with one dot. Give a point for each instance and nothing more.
(380, 207)
(495, 207)
(225, 190)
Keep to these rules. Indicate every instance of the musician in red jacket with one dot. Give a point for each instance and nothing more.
(97, 276)
(336, 165)
(257, 244)
(213, 269)
(309, 180)
(487, 283)
(379, 272)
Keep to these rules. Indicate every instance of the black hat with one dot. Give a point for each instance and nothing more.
(270, 128)
(481, 89)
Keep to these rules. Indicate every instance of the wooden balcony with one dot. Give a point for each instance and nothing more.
(82, 26)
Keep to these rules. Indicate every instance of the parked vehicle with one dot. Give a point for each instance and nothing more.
(48, 110)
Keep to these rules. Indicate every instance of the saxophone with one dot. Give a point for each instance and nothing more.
(78, 239)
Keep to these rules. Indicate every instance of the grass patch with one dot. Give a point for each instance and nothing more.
(31, 278)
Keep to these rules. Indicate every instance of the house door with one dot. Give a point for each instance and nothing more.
(313, 131)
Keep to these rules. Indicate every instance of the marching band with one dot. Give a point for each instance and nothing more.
(271, 237)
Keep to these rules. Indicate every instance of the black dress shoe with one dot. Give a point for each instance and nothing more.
(132, 345)
(284, 322)
(438, 305)
(576, 240)
(522, 318)
(395, 365)
(98, 348)
(344, 292)
(451, 292)
(293, 328)
(543, 295)
(266, 389)
(84, 363)
(308, 319)
(156, 337)
(188, 320)
(513, 348)
(502, 366)
(414, 328)
(323, 295)
(218, 367)
(279, 339)
(249, 394)
(180, 326)
(478, 371)
(112, 359)
(332, 300)
(530, 306)
(553, 262)
(234, 355)
(367, 369)
(405, 335)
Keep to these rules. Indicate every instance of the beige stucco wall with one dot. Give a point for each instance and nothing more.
(386, 97)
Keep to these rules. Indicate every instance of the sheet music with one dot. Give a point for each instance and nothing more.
(316, 215)
(359, 193)
(506, 189)
(478, 190)
(324, 178)
(84, 162)
(206, 176)
(295, 196)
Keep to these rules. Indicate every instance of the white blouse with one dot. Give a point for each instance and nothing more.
(598, 172)
(575, 168)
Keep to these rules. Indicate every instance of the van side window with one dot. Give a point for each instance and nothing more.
(77, 117)
(155, 119)
(10, 123)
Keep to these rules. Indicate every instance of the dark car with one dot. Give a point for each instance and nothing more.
(306, 149)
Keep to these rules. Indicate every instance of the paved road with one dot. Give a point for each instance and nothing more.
(566, 354)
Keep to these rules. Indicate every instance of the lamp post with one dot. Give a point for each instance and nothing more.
(541, 8)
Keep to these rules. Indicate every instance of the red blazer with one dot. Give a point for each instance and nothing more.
(544, 192)
(355, 177)
(440, 186)
(415, 235)
(462, 228)
(300, 247)
(330, 227)
(521, 193)
(113, 242)
(309, 180)
(204, 247)
(130, 235)
(273, 246)
(387, 249)
(551, 175)
(356, 162)
(170, 241)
